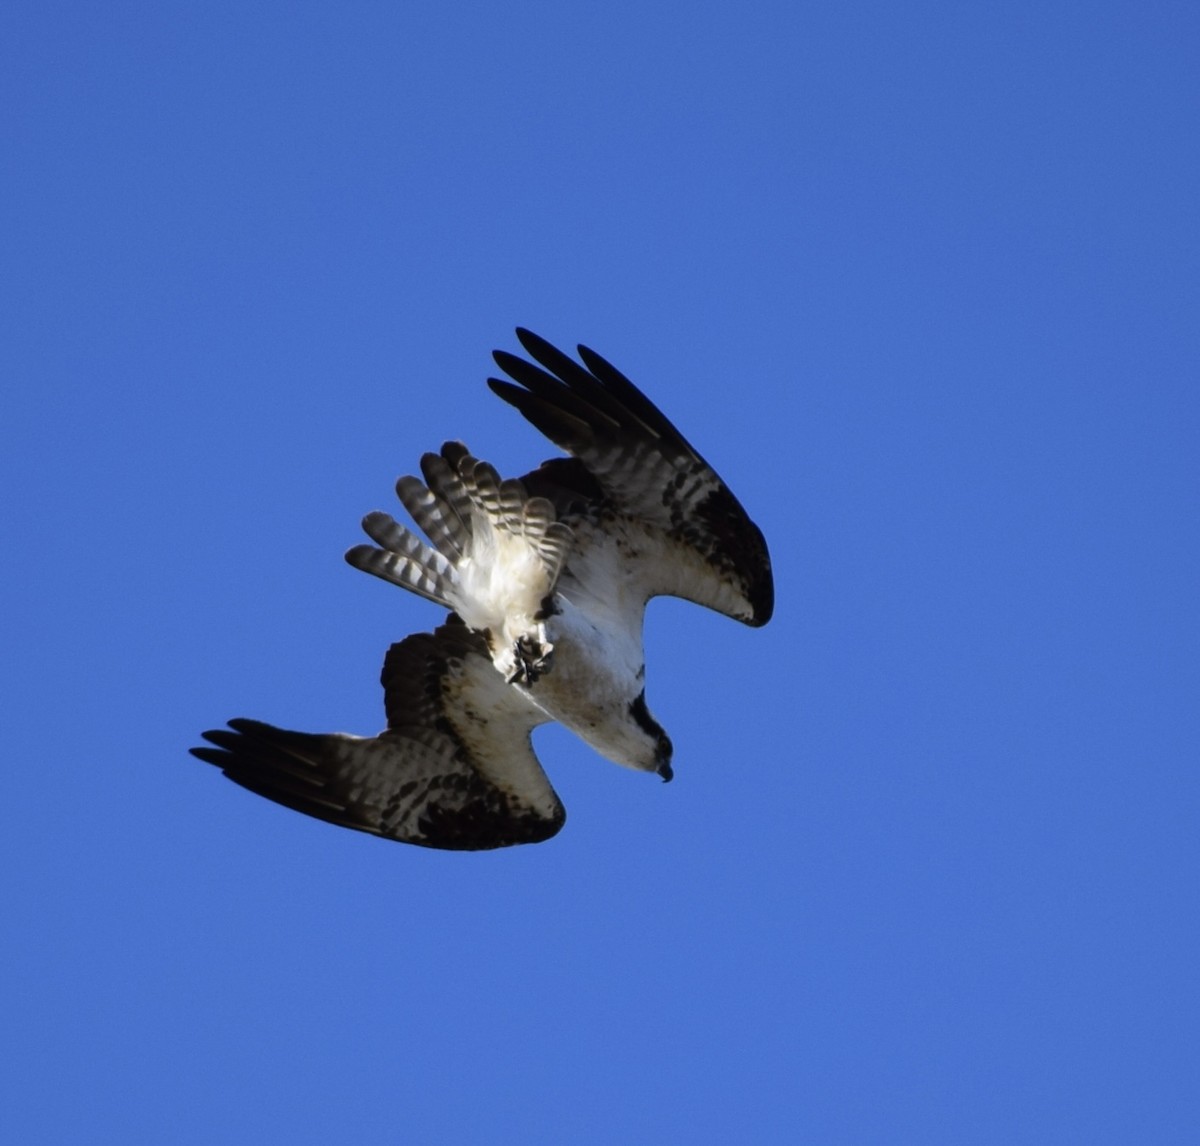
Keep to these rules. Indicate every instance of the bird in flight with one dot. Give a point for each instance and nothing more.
(546, 579)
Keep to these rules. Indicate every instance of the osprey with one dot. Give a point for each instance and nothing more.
(546, 579)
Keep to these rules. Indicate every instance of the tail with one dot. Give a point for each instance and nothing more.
(496, 557)
(444, 511)
(404, 560)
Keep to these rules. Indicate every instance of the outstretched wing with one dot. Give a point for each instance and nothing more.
(454, 769)
(689, 535)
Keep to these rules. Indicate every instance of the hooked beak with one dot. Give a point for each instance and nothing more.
(664, 768)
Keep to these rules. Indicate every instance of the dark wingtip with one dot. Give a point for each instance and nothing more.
(530, 341)
(209, 755)
(244, 725)
(762, 592)
(509, 391)
(222, 741)
(762, 600)
(536, 345)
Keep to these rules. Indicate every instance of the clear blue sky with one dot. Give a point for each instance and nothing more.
(919, 279)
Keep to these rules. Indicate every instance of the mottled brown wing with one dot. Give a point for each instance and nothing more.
(628, 460)
(454, 769)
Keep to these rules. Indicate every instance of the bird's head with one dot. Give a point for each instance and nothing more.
(656, 749)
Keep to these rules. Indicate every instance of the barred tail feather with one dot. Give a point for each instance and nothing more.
(550, 537)
(404, 560)
(441, 507)
(441, 476)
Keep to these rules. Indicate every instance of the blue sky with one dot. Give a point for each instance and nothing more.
(919, 280)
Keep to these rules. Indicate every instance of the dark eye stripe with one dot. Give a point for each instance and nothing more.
(640, 713)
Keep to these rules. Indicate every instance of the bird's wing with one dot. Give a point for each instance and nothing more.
(685, 534)
(454, 769)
